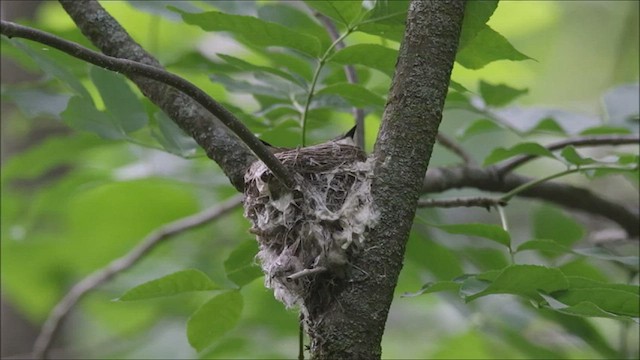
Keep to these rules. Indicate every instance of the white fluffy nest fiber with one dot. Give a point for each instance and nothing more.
(308, 235)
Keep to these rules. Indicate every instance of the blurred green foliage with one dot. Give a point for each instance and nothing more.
(120, 169)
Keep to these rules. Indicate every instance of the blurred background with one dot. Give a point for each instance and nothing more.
(71, 202)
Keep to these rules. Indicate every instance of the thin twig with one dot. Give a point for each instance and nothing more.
(130, 67)
(352, 77)
(484, 202)
(100, 276)
(306, 272)
(509, 165)
(455, 148)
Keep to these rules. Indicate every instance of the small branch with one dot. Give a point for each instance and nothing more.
(352, 77)
(484, 202)
(306, 272)
(100, 276)
(508, 166)
(441, 179)
(526, 186)
(130, 67)
(455, 148)
(314, 81)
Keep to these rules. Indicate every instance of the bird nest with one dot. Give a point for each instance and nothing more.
(308, 235)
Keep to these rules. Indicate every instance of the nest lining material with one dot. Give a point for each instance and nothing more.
(315, 227)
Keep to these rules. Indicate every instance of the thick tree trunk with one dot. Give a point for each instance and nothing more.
(353, 325)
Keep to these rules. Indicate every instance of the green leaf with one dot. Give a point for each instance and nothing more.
(582, 309)
(356, 95)
(385, 19)
(119, 101)
(34, 103)
(343, 11)
(433, 287)
(457, 86)
(82, 115)
(527, 148)
(606, 130)
(570, 154)
(172, 138)
(604, 254)
(476, 127)
(249, 67)
(487, 231)
(476, 15)
(547, 125)
(611, 300)
(551, 223)
(50, 67)
(499, 95)
(172, 284)
(374, 56)
(486, 47)
(253, 30)
(214, 319)
(240, 266)
(577, 282)
(295, 19)
(543, 245)
(524, 280)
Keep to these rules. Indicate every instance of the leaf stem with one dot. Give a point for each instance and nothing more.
(314, 81)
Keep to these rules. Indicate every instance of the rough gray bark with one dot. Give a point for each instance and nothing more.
(354, 322)
(219, 144)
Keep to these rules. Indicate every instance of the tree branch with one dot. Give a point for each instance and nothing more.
(484, 202)
(130, 67)
(446, 178)
(353, 323)
(509, 165)
(455, 148)
(350, 73)
(100, 276)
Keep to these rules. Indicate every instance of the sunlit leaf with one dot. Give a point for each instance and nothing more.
(527, 148)
(487, 46)
(253, 30)
(214, 319)
(295, 19)
(476, 15)
(499, 95)
(169, 285)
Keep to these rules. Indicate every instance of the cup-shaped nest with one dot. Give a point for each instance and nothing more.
(315, 227)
